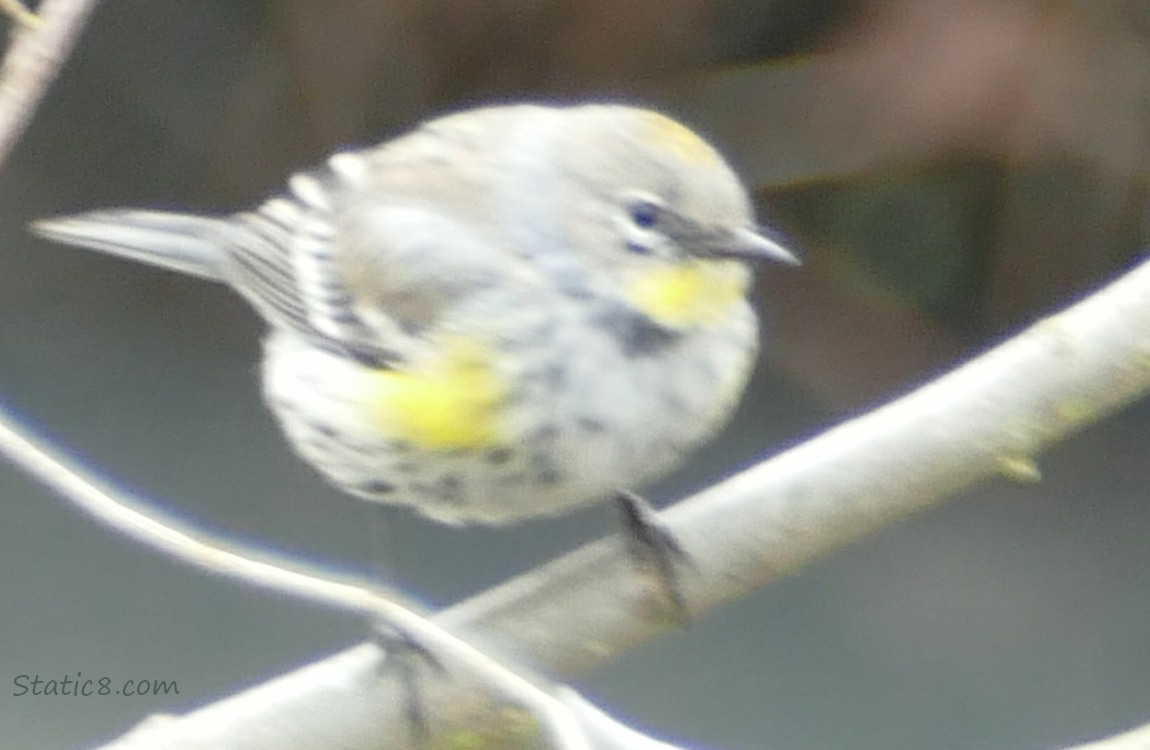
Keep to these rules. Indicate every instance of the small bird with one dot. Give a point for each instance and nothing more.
(502, 314)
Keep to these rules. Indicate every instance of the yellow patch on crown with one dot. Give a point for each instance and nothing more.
(692, 293)
(451, 403)
(678, 138)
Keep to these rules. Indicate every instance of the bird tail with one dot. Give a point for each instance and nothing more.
(177, 242)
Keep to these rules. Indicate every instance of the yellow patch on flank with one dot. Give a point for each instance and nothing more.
(691, 293)
(679, 139)
(451, 403)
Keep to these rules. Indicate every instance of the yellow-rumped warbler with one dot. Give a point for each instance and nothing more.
(504, 313)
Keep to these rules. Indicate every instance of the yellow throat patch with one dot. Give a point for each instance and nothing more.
(692, 293)
(451, 403)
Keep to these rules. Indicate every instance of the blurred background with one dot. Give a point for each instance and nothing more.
(949, 169)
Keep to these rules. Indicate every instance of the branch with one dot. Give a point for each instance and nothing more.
(32, 62)
(988, 417)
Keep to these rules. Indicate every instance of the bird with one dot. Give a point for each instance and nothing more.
(504, 313)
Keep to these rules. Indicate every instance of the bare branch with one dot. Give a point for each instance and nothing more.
(990, 416)
(32, 62)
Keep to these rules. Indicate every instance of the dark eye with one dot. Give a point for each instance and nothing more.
(644, 213)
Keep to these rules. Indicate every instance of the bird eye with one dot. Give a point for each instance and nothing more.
(644, 213)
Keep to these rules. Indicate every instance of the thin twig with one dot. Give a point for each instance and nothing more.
(34, 58)
(115, 509)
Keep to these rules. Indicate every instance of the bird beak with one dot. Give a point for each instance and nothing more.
(745, 244)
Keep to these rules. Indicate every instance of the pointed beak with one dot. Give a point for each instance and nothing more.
(745, 244)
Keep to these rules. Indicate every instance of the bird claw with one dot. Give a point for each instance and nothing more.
(404, 653)
(653, 548)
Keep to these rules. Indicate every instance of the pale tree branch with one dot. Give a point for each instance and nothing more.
(988, 417)
(32, 61)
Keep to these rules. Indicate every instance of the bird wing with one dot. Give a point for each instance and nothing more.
(277, 257)
(353, 270)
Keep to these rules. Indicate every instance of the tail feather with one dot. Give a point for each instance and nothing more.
(177, 242)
